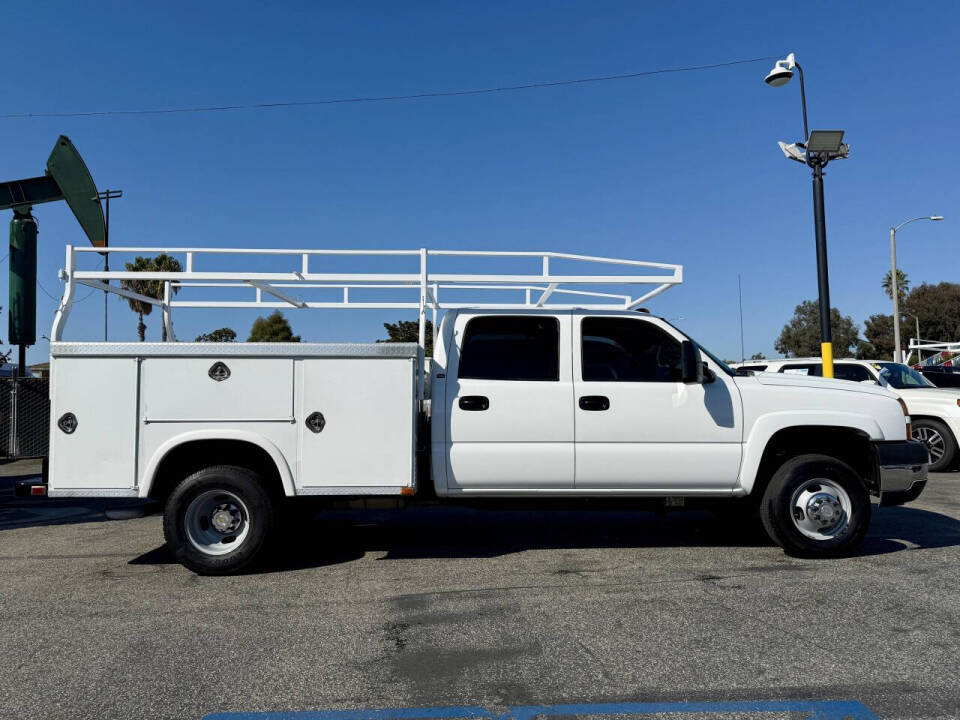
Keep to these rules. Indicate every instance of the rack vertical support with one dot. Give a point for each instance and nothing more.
(422, 325)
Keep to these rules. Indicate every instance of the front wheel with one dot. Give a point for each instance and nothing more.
(816, 506)
(218, 520)
(939, 441)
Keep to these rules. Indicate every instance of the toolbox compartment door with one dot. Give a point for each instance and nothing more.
(212, 389)
(365, 440)
(97, 449)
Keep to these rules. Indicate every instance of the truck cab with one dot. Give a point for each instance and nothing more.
(579, 402)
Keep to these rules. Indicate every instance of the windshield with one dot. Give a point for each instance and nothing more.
(901, 376)
(717, 361)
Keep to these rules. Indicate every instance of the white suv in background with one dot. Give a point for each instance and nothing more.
(935, 411)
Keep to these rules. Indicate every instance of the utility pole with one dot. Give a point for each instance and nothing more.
(105, 196)
(743, 355)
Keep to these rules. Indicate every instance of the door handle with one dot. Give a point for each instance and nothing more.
(474, 402)
(594, 402)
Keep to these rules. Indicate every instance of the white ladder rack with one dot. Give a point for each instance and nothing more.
(430, 287)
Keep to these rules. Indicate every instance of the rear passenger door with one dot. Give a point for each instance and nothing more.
(509, 400)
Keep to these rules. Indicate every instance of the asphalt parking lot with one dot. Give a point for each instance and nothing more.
(484, 610)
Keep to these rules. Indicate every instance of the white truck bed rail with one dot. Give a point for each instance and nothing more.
(208, 270)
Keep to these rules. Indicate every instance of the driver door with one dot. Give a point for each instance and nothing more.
(637, 426)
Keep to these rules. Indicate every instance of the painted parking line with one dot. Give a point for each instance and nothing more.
(815, 709)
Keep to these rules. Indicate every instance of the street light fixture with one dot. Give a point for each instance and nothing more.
(817, 149)
(781, 74)
(897, 353)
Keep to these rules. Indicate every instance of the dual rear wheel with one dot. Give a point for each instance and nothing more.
(218, 520)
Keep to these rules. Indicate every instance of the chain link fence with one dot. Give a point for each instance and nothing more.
(24, 417)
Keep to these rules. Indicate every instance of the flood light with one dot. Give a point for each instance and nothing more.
(825, 141)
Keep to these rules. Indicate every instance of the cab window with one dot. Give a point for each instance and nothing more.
(498, 347)
(801, 369)
(626, 350)
(846, 371)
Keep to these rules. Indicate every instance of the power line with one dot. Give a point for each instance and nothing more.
(387, 98)
(57, 300)
(47, 292)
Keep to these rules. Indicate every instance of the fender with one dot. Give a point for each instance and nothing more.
(150, 471)
(766, 426)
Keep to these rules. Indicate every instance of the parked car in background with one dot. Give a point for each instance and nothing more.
(945, 377)
(934, 411)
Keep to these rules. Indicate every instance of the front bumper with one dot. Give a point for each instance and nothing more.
(902, 467)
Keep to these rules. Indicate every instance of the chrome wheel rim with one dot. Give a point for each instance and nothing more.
(821, 509)
(933, 440)
(217, 522)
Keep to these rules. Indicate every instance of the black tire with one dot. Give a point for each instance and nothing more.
(798, 475)
(240, 494)
(939, 441)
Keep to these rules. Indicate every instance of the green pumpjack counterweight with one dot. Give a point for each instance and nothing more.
(22, 325)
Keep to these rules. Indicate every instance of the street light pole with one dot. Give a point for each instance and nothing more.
(823, 276)
(818, 150)
(897, 353)
(895, 291)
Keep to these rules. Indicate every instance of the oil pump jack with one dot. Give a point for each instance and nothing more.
(66, 178)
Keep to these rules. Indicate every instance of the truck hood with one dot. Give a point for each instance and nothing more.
(812, 381)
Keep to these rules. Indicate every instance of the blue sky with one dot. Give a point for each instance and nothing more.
(680, 168)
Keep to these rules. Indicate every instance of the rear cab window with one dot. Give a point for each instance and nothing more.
(505, 347)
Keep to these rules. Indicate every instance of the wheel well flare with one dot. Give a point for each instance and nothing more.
(190, 456)
(848, 445)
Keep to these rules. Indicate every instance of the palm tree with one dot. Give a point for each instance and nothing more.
(141, 287)
(903, 285)
(150, 288)
(165, 263)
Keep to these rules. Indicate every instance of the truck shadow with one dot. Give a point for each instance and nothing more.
(16, 513)
(334, 537)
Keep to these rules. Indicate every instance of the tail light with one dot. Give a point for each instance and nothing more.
(906, 417)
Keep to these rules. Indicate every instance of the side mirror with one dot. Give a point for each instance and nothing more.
(691, 366)
(884, 374)
(708, 375)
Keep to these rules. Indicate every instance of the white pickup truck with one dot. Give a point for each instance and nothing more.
(530, 399)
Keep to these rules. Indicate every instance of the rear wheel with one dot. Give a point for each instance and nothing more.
(218, 520)
(939, 441)
(816, 506)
